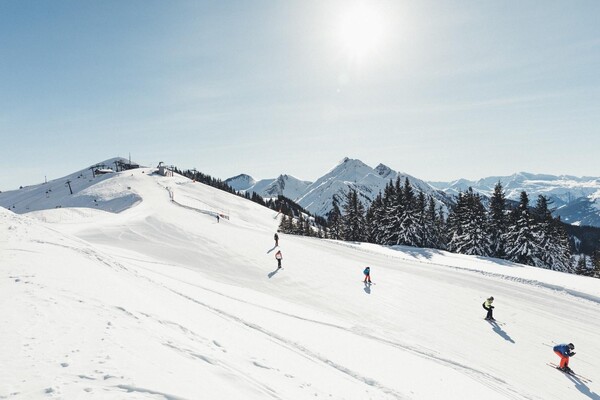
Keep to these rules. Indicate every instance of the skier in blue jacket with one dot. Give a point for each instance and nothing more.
(367, 273)
(564, 351)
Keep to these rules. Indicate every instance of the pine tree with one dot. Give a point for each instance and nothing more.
(354, 217)
(454, 226)
(596, 264)
(552, 241)
(441, 229)
(582, 266)
(334, 220)
(521, 244)
(374, 218)
(409, 233)
(431, 237)
(286, 224)
(498, 221)
(470, 234)
(393, 211)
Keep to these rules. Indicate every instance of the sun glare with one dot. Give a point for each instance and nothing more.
(360, 31)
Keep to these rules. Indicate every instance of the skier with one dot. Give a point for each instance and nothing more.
(276, 237)
(487, 305)
(564, 352)
(367, 273)
(217, 218)
(278, 257)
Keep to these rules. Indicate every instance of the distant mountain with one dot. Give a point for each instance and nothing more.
(317, 197)
(285, 185)
(241, 182)
(576, 199)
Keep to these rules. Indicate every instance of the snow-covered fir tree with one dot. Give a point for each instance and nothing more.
(454, 224)
(374, 216)
(394, 209)
(498, 220)
(409, 233)
(552, 241)
(472, 238)
(286, 225)
(582, 267)
(354, 217)
(431, 234)
(521, 241)
(596, 264)
(334, 220)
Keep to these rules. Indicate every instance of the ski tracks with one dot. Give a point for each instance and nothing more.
(482, 377)
(290, 345)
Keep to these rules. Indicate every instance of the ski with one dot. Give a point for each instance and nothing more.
(493, 321)
(581, 378)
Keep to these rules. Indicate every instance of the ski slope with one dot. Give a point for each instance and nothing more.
(161, 301)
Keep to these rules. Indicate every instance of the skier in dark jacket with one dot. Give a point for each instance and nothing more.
(276, 237)
(487, 305)
(564, 351)
(367, 273)
(278, 257)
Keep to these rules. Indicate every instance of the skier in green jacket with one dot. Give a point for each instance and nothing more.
(487, 305)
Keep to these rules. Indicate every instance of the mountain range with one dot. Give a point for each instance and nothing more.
(316, 197)
(575, 199)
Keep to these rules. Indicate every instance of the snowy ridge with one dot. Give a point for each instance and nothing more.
(147, 302)
(241, 182)
(284, 184)
(316, 197)
(575, 198)
(367, 181)
(88, 191)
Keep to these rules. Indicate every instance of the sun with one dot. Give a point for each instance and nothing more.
(361, 31)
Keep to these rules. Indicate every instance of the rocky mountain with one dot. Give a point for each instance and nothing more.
(241, 182)
(286, 185)
(317, 196)
(575, 199)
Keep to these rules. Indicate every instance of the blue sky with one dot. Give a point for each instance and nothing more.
(447, 90)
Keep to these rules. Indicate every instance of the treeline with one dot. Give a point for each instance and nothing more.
(401, 216)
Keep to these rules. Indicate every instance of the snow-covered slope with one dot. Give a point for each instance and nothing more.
(161, 301)
(79, 189)
(355, 174)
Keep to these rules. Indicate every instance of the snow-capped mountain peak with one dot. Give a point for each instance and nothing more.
(571, 196)
(241, 182)
(384, 171)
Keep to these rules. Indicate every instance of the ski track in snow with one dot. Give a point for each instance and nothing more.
(132, 389)
(530, 282)
(296, 347)
(480, 376)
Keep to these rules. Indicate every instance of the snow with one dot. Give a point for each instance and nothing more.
(286, 185)
(563, 188)
(351, 173)
(149, 298)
